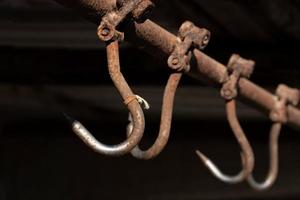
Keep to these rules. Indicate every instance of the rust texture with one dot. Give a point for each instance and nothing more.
(247, 152)
(237, 67)
(285, 96)
(190, 36)
(247, 155)
(132, 105)
(274, 166)
(204, 66)
(165, 123)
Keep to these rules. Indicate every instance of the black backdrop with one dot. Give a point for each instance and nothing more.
(51, 61)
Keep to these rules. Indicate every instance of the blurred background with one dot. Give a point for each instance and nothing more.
(52, 62)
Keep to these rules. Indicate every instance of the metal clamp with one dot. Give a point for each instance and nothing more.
(237, 67)
(285, 95)
(189, 36)
(107, 28)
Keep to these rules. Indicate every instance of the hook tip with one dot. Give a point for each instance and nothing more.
(202, 156)
(68, 118)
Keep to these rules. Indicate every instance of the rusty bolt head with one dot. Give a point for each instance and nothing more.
(245, 67)
(206, 40)
(202, 38)
(106, 32)
(228, 94)
(176, 63)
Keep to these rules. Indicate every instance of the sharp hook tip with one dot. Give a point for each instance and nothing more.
(202, 156)
(68, 118)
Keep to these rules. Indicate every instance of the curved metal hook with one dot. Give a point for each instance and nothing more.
(247, 152)
(132, 105)
(165, 123)
(273, 168)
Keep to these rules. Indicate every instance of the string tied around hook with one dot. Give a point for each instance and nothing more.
(140, 99)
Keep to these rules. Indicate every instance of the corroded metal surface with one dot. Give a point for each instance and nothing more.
(285, 96)
(247, 155)
(190, 36)
(132, 105)
(274, 165)
(184, 52)
(237, 67)
(165, 122)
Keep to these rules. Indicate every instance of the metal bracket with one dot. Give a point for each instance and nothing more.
(189, 36)
(285, 96)
(237, 67)
(107, 28)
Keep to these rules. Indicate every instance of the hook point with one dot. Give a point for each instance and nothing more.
(202, 156)
(68, 118)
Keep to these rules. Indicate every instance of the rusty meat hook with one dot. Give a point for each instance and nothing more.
(190, 36)
(165, 123)
(247, 153)
(238, 67)
(286, 96)
(131, 103)
(273, 168)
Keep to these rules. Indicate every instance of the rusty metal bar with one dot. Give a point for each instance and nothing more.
(155, 37)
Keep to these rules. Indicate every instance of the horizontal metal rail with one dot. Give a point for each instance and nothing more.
(154, 38)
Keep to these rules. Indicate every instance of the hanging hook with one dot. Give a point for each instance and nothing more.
(130, 100)
(285, 96)
(165, 124)
(248, 161)
(189, 36)
(273, 169)
(238, 67)
(108, 33)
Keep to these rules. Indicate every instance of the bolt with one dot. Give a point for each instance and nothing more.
(228, 93)
(274, 116)
(175, 61)
(205, 40)
(105, 31)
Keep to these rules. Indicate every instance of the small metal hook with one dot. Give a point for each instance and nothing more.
(130, 101)
(237, 67)
(247, 152)
(165, 124)
(285, 96)
(273, 168)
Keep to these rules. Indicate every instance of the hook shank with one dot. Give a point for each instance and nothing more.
(165, 122)
(247, 152)
(274, 166)
(133, 107)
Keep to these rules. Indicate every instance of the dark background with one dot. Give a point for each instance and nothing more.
(51, 62)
